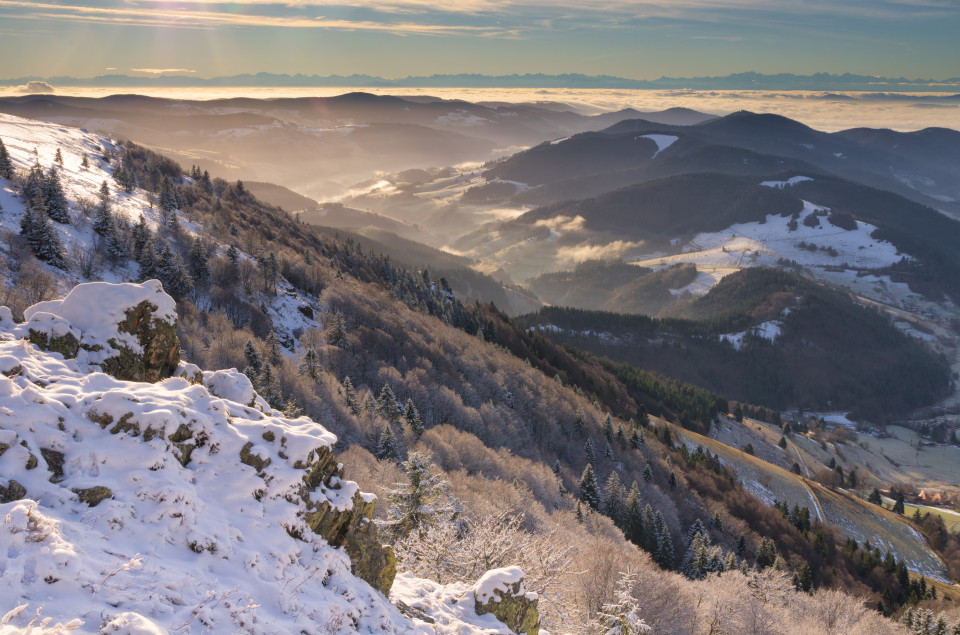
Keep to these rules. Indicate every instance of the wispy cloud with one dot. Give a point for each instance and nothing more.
(157, 71)
(190, 15)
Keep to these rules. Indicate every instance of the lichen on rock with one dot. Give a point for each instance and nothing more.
(500, 592)
(93, 496)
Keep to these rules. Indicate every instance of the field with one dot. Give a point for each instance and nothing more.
(854, 517)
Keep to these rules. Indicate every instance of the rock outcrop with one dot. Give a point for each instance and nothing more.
(128, 330)
(500, 592)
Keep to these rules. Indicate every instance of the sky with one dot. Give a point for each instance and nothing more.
(400, 38)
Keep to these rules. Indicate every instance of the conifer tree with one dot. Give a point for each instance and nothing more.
(875, 497)
(387, 404)
(425, 497)
(268, 385)
(663, 555)
(252, 354)
(622, 616)
(103, 218)
(147, 261)
(198, 260)
(608, 429)
(85, 162)
(634, 526)
(647, 473)
(589, 488)
(167, 198)
(6, 165)
(58, 158)
(350, 396)
(898, 505)
(141, 235)
(413, 418)
(53, 196)
(766, 554)
(310, 366)
(337, 331)
(233, 253)
(387, 446)
(272, 345)
(116, 246)
(590, 452)
(607, 451)
(614, 505)
(635, 440)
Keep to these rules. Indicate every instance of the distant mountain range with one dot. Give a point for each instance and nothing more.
(736, 81)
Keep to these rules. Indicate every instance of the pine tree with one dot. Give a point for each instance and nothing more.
(425, 497)
(608, 429)
(53, 196)
(117, 250)
(647, 473)
(673, 479)
(412, 416)
(898, 505)
(310, 366)
(614, 505)
(350, 396)
(198, 260)
(581, 420)
(50, 248)
(337, 331)
(102, 219)
(622, 617)
(634, 527)
(875, 497)
(803, 578)
(387, 446)
(663, 555)
(589, 452)
(254, 360)
(85, 162)
(589, 488)
(147, 261)
(766, 554)
(607, 451)
(141, 235)
(268, 385)
(6, 165)
(635, 440)
(272, 345)
(167, 198)
(387, 404)
(58, 158)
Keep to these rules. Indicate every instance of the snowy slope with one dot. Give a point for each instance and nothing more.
(28, 141)
(150, 508)
(172, 507)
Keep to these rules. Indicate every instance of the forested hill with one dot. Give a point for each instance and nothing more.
(768, 337)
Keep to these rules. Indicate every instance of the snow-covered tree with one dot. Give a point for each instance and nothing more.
(337, 331)
(310, 365)
(387, 449)
(387, 404)
(614, 505)
(590, 452)
(167, 198)
(622, 616)
(198, 260)
(57, 207)
(413, 418)
(6, 165)
(589, 488)
(423, 499)
(350, 396)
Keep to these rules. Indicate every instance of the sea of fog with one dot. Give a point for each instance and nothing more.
(823, 111)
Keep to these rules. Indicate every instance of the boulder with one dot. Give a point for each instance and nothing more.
(129, 330)
(500, 592)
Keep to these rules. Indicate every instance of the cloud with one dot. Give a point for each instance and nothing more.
(36, 88)
(157, 71)
(193, 15)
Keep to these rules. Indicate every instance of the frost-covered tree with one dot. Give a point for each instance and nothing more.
(663, 555)
(6, 165)
(589, 488)
(167, 197)
(622, 616)
(425, 497)
(350, 396)
(337, 331)
(589, 452)
(633, 527)
(85, 162)
(387, 404)
(102, 216)
(310, 365)
(52, 190)
(608, 429)
(147, 261)
(387, 449)
(58, 157)
(141, 235)
(413, 418)
(766, 554)
(198, 260)
(117, 250)
(614, 505)
(272, 349)
(268, 385)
